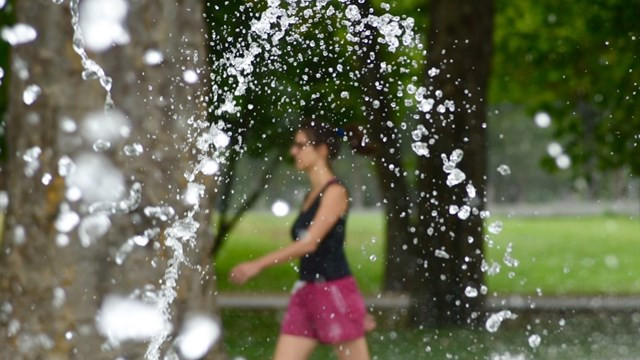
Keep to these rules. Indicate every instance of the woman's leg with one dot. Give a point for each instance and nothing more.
(353, 350)
(290, 347)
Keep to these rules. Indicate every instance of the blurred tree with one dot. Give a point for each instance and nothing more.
(451, 247)
(6, 19)
(54, 278)
(577, 62)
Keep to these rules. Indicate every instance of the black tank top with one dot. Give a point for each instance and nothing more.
(328, 262)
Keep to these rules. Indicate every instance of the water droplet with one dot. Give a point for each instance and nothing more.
(4, 201)
(190, 77)
(464, 212)
(121, 319)
(433, 72)
(453, 209)
(197, 337)
(59, 297)
(46, 179)
(62, 240)
(280, 208)
(95, 179)
(495, 227)
(101, 145)
(153, 57)
(92, 228)
(456, 176)
(504, 169)
(31, 94)
(563, 161)
(68, 125)
(18, 34)
(66, 220)
(471, 191)
(352, 13)
(134, 149)
(111, 126)
(441, 254)
(102, 23)
(420, 148)
(163, 213)
(344, 95)
(193, 194)
(542, 119)
(534, 341)
(494, 321)
(470, 292)
(508, 259)
(209, 166)
(484, 214)
(373, 258)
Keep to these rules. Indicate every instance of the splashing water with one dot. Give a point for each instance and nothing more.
(18, 34)
(94, 179)
(534, 341)
(504, 169)
(280, 208)
(495, 320)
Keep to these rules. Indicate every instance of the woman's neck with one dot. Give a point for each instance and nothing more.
(319, 176)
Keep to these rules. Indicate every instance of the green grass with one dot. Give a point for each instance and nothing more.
(252, 335)
(560, 255)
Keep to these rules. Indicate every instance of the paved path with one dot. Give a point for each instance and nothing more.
(513, 302)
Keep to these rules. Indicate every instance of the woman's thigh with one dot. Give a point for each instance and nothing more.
(353, 350)
(290, 347)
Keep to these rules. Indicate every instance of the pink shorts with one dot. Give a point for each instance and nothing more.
(330, 312)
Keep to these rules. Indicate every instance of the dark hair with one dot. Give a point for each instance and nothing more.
(320, 133)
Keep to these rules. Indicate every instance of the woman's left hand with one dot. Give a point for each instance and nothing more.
(243, 272)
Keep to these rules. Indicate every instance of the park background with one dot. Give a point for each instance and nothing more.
(559, 97)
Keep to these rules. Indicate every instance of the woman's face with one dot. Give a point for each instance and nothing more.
(304, 154)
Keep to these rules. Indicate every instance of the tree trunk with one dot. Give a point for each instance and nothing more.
(388, 166)
(460, 43)
(52, 289)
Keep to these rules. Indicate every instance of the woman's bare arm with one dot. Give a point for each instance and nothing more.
(333, 205)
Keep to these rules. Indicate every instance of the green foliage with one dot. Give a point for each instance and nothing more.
(565, 255)
(578, 62)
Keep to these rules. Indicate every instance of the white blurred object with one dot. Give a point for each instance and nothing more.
(102, 23)
(121, 319)
(153, 57)
(197, 336)
(494, 321)
(280, 208)
(18, 34)
(542, 119)
(96, 179)
(105, 127)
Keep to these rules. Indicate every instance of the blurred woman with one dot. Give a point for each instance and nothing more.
(326, 306)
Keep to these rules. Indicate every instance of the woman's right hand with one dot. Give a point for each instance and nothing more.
(243, 272)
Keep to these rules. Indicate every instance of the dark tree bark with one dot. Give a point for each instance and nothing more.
(159, 107)
(388, 163)
(460, 43)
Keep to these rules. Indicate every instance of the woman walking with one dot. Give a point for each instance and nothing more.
(326, 306)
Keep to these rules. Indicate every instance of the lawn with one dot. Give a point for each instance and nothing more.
(557, 255)
(251, 335)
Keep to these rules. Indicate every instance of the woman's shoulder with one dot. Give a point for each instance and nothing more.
(336, 191)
